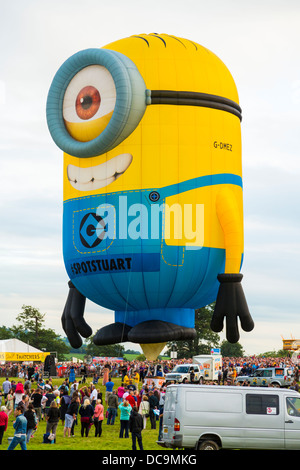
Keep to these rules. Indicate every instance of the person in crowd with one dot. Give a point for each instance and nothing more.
(106, 372)
(3, 422)
(96, 378)
(74, 388)
(32, 421)
(125, 409)
(86, 412)
(64, 386)
(84, 394)
(6, 387)
(161, 415)
(52, 418)
(70, 415)
(30, 371)
(72, 374)
(295, 385)
(136, 426)
(112, 410)
(93, 395)
(153, 403)
(130, 398)
(109, 385)
(77, 399)
(65, 400)
(136, 379)
(24, 402)
(98, 417)
(18, 394)
(57, 396)
(20, 427)
(48, 386)
(83, 371)
(50, 397)
(144, 409)
(10, 402)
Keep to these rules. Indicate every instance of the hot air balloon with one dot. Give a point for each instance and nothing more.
(150, 129)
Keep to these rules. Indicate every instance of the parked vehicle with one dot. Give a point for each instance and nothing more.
(276, 376)
(211, 417)
(210, 366)
(182, 373)
(205, 367)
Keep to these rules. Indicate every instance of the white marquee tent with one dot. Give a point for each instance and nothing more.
(16, 350)
(16, 346)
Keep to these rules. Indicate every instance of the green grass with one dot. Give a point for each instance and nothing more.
(108, 441)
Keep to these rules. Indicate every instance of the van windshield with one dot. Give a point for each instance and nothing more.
(181, 369)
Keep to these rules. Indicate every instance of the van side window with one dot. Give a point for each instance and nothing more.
(170, 400)
(293, 406)
(267, 373)
(262, 404)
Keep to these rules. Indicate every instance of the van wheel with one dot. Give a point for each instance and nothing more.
(208, 445)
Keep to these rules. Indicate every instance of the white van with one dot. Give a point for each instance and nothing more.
(211, 417)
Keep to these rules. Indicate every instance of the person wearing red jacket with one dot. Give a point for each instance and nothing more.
(3, 422)
(130, 398)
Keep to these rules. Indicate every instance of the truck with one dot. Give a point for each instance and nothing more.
(213, 417)
(209, 365)
(205, 367)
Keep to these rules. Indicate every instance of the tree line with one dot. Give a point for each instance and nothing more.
(30, 329)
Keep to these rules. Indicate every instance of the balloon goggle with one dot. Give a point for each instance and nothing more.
(98, 97)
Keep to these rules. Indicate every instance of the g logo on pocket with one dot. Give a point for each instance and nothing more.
(92, 230)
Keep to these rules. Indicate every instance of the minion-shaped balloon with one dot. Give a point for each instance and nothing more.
(153, 195)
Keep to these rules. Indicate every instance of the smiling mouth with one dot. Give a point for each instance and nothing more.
(99, 176)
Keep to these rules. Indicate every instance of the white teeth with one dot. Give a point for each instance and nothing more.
(96, 177)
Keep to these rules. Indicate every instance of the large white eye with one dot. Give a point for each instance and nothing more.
(91, 94)
(96, 100)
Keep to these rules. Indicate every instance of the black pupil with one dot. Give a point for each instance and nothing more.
(86, 102)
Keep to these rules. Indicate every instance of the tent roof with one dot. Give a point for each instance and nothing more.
(15, 345)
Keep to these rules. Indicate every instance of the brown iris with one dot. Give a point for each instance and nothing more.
(87, 102)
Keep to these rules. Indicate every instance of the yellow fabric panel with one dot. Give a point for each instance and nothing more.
(171, 63)
(171, 144)
(222, 221)
(230, 215)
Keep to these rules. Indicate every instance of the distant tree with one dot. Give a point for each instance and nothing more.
(6, 333)
(110, 350)
(141, 358)
(131, 351)
(280, 353)
(205, 338)
(32, 321)
(31, 330)
(231, 349)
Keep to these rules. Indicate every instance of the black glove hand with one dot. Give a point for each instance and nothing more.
(231, 303)
(72, 318)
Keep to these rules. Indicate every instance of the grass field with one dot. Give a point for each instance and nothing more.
(108, 441)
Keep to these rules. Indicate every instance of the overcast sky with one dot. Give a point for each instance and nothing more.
(257, 40)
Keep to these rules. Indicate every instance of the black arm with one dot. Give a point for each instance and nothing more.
(72, 319)
(231, 303)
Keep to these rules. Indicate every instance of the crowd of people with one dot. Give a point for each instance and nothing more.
(33, 398)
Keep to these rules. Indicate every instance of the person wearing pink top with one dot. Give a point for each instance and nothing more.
(3, 422)
(98, 418)
(19, 392)
(121, 391)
